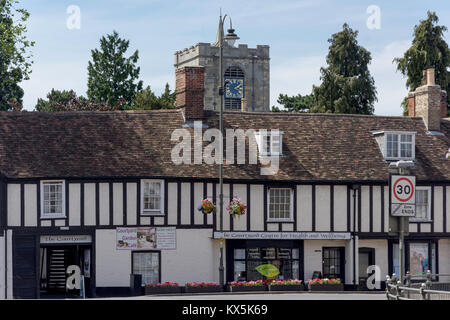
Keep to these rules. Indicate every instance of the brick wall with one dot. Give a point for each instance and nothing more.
(190, 88)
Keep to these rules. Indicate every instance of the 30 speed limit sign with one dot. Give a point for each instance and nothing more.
(403, 196)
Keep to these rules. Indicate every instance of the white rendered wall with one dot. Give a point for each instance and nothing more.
(30, 203)
(313, 255)
(304, 208)
(2, 267)
(112, 267)
(444, 258)
(13, 207)
(195, 259)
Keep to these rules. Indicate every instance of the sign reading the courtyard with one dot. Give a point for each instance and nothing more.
(55, 239)
(284, 235)
(403, 196)
(146, 238)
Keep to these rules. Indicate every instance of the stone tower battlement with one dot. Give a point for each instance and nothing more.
(254, 64)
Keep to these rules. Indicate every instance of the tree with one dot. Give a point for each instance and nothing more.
(428, 50)
(59, 101)
(167, 98)
(55, 97)
(147, 100)
(296, 103)
(15, 63)
(112, 76)
(347, 86)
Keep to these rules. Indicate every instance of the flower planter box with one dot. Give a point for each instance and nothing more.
(202, 289)
(162, 290)
(287, 287)
(326, 287)
(246, 288)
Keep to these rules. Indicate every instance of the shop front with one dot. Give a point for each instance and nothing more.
(245, 255)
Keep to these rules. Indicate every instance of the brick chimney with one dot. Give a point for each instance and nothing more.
(428, 102)
(190, 88)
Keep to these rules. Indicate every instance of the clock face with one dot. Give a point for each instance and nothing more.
(234, 88)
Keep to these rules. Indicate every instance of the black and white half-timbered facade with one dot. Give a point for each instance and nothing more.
(101, 190)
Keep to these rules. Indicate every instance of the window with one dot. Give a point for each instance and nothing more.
(400, 145)
(333, 263)
(287, 260)
(270, 143)
(152, 197)
(280, 204)
(53, 198)
(423, 204)
(148, 265)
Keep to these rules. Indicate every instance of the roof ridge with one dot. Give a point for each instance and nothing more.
(62, 113)
(305, 114)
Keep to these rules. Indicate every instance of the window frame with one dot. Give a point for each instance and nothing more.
(399, 144)
(291, 206)
(44, 215)
(147, 251)
(153, 212)
(428, 218)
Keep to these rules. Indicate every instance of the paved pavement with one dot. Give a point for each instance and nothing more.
(267, 296)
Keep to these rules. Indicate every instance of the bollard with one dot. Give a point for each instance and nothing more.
(422, 292)
(428, 284)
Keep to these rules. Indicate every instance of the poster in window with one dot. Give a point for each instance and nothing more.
(418, 258)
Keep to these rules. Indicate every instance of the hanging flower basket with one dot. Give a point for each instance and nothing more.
(447, 156)
(236, 208)
(207, 206)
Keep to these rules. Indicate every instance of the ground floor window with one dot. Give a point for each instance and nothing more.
(420, 256)
(248, 255)
(333, 263)
(148, 265)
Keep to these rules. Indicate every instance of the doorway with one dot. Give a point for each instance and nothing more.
(366, 258)
(54, 261)
(333, 263)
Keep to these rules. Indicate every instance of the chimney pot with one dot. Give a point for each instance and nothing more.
(430, 77)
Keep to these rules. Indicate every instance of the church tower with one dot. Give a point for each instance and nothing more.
(246, 74)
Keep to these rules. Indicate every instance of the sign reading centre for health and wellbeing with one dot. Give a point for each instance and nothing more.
(284, 235)
(146, 238)
(403, 196)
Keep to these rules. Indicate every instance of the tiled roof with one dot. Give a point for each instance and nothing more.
(316, 147)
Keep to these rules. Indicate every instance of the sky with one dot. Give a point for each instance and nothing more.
(296, 31)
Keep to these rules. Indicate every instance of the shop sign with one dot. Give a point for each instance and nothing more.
(284, 235)
(55, 239)
(146, 238)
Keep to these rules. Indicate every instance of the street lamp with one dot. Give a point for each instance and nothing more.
(231, 37)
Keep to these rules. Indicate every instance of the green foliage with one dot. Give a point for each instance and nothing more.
(428, 50)
(347, 86)
(55, 97)
(15, 64)
(147, 100)
(112, 76)
(296, 103)
(59, 101)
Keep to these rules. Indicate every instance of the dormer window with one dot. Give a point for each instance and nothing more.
(270, 142)
(396, 145)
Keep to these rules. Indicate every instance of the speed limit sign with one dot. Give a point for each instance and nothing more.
(403, 195)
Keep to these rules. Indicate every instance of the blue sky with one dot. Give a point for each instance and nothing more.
(296, 31)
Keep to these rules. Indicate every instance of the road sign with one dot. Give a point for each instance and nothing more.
(403, 210)
(394, 226)
(403, 189)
